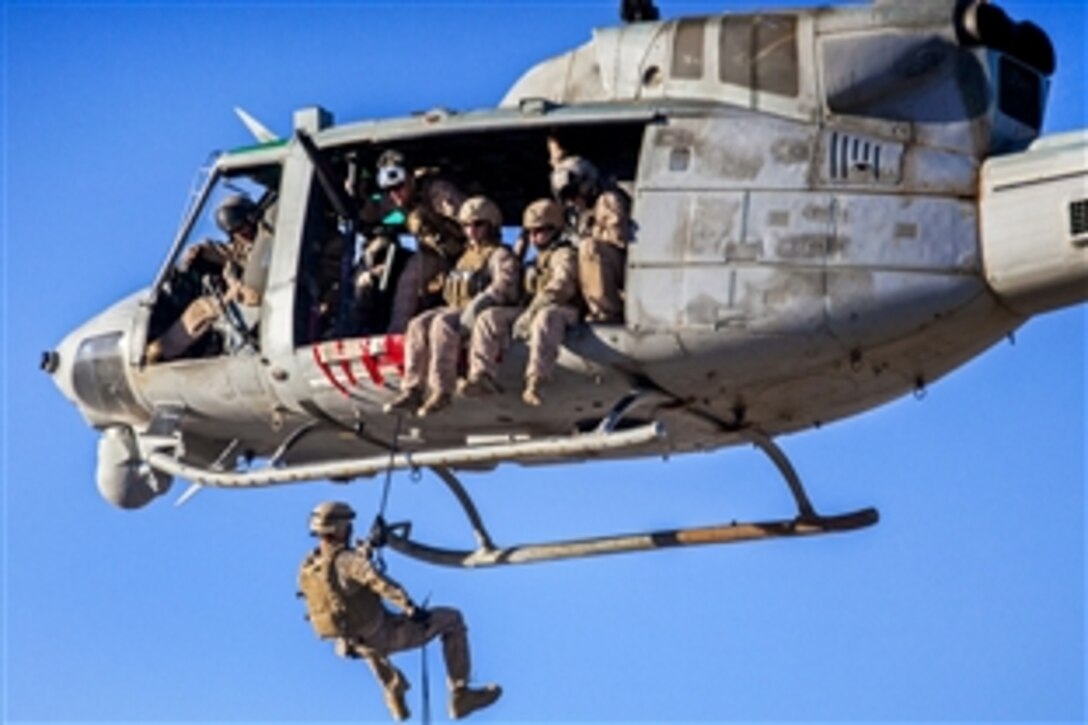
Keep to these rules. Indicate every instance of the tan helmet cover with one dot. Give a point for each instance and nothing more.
(480, 208)
(543, 213)
(330, 517)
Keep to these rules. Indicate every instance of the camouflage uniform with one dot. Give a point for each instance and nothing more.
(603, 234)
(387, 632)
(377, 632)
(433, 342)
(553, 308)
(438, 201)
(344, 596)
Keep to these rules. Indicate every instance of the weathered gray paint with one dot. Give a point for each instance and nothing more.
(793, 263)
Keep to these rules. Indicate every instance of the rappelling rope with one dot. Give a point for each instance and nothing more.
(424, 674)
(378, 528)
(389, 468)
(425, 678)
(378, 533)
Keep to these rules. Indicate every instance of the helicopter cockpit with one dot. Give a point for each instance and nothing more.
(207, 298)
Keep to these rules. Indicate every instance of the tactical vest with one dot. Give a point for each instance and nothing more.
(542, 268)
(330, 611)
(469, 277)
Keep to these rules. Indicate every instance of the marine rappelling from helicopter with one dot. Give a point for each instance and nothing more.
(777, 220)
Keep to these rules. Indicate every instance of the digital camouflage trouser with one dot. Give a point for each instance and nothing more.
(491, 335)
(399, 633)
(431, 350)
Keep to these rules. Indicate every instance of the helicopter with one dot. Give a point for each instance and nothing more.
(834, 208)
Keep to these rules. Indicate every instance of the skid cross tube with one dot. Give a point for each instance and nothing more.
(807, 523)
(782, 463)
(483, 539)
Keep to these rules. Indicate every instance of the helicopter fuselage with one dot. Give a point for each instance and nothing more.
(811, 242)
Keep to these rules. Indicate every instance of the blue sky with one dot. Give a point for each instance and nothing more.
(966, 602)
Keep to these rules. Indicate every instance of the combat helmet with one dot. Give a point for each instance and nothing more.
(331, 517)
(573, 177)
(543, 213)
(480, 208)
(235, 212)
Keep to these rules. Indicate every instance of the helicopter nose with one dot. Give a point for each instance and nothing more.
(90, 366)
(50, 361)
(57, 363)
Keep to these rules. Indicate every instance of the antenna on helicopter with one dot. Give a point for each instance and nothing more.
(258, 129)
(638, 11)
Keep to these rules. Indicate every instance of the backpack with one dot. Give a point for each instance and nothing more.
(326, 607)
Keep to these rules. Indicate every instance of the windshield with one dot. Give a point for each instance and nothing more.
(213, 187)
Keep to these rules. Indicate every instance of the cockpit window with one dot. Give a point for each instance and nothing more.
(759, 52)
(257, 185)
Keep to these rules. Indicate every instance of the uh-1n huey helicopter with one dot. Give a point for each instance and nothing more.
(834, 207)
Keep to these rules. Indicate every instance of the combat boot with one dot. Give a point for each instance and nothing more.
(479, 386)
(394, 699)
(435, 402)
(409, 399)
(531, 395)
(465, 700)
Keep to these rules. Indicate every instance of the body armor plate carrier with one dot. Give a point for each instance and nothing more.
(327, 607)
(469, 277)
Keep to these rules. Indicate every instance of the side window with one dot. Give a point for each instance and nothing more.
(687, 49)
(759, 52)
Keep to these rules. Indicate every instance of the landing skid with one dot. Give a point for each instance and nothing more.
(649, 541)
(806, 523)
